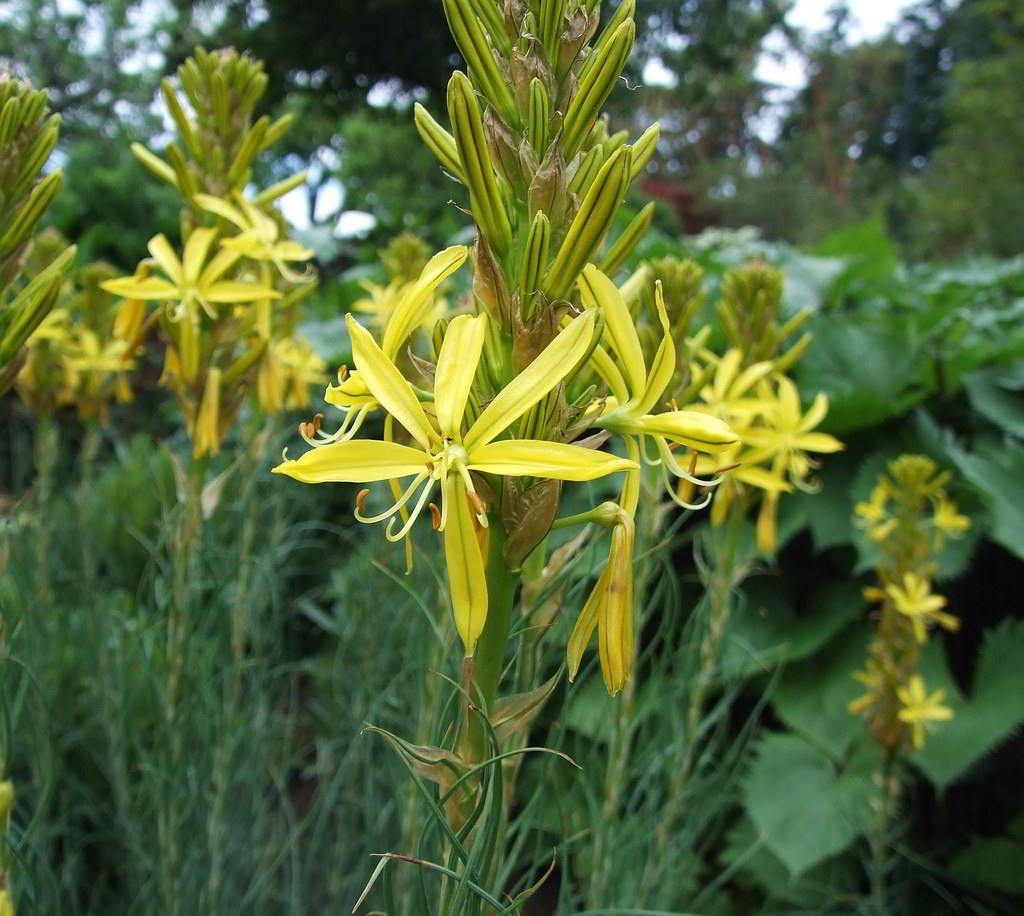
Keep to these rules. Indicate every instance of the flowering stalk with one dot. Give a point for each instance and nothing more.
(909, 516)
(537, 370)
(28, 135)
(229, 297)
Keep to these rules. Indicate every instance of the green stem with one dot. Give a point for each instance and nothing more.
(486, 666)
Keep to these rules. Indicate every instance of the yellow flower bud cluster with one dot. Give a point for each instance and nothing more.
(83, 352)
(543, 362)
(229, 297)
(749, 389)
(28, 135)
(910, 516)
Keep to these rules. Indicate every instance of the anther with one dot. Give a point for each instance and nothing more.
(476, 502)
(342, 374)
(361, 497)
(435, 517)
(317, 420)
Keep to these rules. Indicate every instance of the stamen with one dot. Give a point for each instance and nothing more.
(399, 503)
(415, 514)
(675, 468)
(479, 509)
(342, 374)
(435, 516)
(361, 501)
(679, 501)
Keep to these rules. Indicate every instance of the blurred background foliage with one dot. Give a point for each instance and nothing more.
(888, 125)
(889, 192)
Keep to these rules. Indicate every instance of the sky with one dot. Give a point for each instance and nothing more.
(870, 19)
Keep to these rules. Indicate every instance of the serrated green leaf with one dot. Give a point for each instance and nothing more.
(997, 470)
(995, 393)
(820, 888)
(865, 371)
(980, 722)
(765, 631)
(804, 807)
(812, 695)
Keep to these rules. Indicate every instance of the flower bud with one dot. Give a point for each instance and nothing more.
(535, 258)
(540, 114)
(596, 83)
(472, 44)
(590, 224)
(485, 198)
(439, 142)
(627, 242)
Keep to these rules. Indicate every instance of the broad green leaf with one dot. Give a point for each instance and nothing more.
(865, 371)
(812, 695)
(993, 861)
(805, 808)
(985, 718)
(997, 394)
(997, 470)
(820, 889)
(765, 631)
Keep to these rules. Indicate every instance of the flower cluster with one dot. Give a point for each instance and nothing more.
(229, 297)
(543, 365)
(748, 387)
(83, 352)
(910, 516)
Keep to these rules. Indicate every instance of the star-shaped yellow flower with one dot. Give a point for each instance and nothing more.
(920, 709)
(916, 600)
(443, 455)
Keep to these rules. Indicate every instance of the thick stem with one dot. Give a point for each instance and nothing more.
(485, 668)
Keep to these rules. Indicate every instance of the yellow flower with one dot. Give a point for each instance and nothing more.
(916, 600)
(873, 678)
(287, 370)
(442, 454)
(786, 436)
(728, 396)
(191, 281)
(259, 236)
(920, 709)
(351, 394)
(948, 520)
(636, 390)
(610, 609)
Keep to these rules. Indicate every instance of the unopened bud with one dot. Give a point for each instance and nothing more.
(485, 198)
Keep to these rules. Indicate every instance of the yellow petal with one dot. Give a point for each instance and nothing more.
(687, 427)
(417, 299)
(583, 631)
(355, 461)
(220, 208)
(230, 291)
(165, 256)
(467, 582)
(788, 404)
(725, 373)
(818, 442)
(387, 384)
(600, 293)
(537, 458)
(196, 249)
(664, 365)
(148, 288)
(615, 613)
(761, 478)
(816, 414)
(456, 369)
(554, 363)
(219, 264)
(350, 393)
(605, 367)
